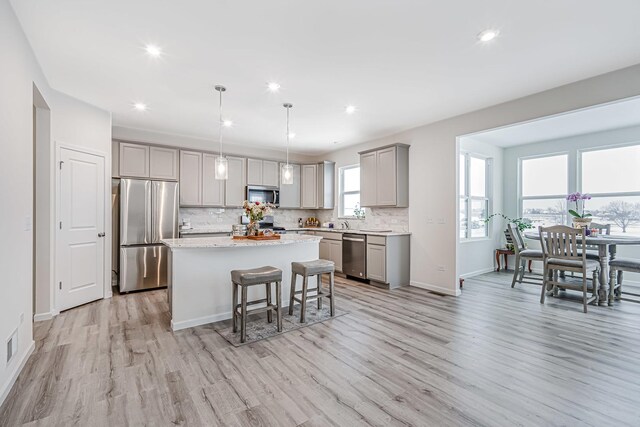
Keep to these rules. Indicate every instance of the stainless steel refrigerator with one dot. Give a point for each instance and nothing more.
(148, 213)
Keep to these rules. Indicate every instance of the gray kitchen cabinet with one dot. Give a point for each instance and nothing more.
(163, 163)
(331, 247)
(326, 185)
(190, 178)
(134, 160)
(388, 259)
(290, 193)
(235, 185)
(384, 176)
(212, 188)
(262, 172)
(309, 183)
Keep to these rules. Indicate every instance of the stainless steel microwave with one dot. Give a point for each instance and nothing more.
(263, 194)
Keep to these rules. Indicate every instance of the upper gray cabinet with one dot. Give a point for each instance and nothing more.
(326, 185)
(262, 172)
(134, 160)
(290, 193)
(143, 161)
(163, 163)
(384, 176)
(235, 185)
(309, 185)
(190, 178)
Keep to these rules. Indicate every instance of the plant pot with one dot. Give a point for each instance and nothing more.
(581, 222)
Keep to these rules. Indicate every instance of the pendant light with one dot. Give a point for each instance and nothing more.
(221, 163)
(286, 176)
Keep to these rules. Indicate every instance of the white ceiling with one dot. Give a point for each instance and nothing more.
(403, 63)
(595, 119)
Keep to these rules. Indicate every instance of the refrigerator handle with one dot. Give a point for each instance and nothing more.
(147, 214)
(154, 222)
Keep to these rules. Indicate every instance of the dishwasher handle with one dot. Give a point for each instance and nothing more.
(351, 239)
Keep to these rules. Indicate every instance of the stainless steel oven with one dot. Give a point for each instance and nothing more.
(263, 194)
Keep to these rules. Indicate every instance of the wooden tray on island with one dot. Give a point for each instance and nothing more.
(272, 237)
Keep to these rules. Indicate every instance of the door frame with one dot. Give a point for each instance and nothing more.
(106, 292)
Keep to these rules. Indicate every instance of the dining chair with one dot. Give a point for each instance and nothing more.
(522, 255)
(592, 250)
(562, 251)
(616, 267)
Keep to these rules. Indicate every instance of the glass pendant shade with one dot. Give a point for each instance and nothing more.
(286, 176)
(222, 168)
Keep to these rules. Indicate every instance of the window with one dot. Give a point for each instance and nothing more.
(612, 177)
(544, 184)
(474, 196)
(349, 190)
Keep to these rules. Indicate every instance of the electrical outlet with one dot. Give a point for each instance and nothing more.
(441, 268)
(12, 346)
(429, 220)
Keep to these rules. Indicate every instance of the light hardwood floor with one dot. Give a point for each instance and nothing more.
(493, 356)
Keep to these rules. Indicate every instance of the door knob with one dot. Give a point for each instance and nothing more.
(101, 234)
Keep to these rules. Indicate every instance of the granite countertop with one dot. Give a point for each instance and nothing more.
(227, 229)
(228, 242)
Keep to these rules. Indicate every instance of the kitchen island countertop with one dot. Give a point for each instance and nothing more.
(229, 242)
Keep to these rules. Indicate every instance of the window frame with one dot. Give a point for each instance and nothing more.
(467, 199)
(342, 193)
(522, 198)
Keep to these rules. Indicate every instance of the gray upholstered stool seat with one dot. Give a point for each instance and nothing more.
(531, 253)
(619, 265)
(305, 269)
(256, 276)
(311, 268)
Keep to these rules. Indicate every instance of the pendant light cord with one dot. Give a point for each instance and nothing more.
(220, 123)
(288, 135)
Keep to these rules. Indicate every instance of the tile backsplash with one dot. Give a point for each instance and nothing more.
(395, 219)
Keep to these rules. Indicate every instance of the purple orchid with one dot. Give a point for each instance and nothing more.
(576, 198)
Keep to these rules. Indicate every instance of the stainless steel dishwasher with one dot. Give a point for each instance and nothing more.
(354, 255)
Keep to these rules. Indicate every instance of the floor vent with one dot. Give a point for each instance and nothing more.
(12, 346)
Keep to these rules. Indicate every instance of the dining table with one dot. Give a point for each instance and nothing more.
(607, 246)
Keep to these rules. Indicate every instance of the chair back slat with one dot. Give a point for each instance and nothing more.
(516, 238)
(560, 241)
(602, 229)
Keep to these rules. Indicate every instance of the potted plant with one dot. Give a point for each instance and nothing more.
(521, 223)
(256, 212)
(581, 219)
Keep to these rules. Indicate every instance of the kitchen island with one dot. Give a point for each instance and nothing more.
(200, 272)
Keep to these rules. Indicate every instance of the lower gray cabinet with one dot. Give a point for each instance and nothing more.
(388, 259)
(331, 248)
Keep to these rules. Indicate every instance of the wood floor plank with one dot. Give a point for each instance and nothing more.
(404, 357)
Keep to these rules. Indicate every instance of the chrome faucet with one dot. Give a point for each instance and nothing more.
(346, 225)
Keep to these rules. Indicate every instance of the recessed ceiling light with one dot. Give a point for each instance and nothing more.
(350, 109)
(227, 123)
(488, 35)
(140, 106)
(153, 50)
(273, 86)
(292, 135)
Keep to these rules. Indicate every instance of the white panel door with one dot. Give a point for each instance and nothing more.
(386, 192)
(81, 229)
(212, 188)
(163, 163)
(368, 185)
(190, 178)
(254, 172)
(270, 173)
(309, 186)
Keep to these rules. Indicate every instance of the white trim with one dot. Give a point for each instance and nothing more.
(436, 289)
(39, 317)
(6, 387)
(477, 272)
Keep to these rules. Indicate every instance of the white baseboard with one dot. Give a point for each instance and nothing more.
(437, 289)
(42, 316)
(6, 387)
(477, 272)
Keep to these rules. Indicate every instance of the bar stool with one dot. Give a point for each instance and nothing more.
(306, 269)
(247, 278)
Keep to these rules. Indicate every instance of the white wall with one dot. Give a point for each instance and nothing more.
(74, 123)
(570, 146)
(476, 256)
(434, 170)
